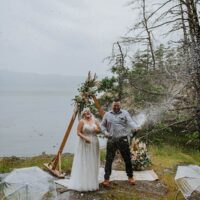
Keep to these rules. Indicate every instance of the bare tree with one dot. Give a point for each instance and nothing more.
(149, 36)
(146, 38)
(118, 60)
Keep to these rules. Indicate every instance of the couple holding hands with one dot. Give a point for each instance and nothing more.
(85, 168)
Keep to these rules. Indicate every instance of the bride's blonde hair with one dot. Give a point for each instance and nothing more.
(85, 110)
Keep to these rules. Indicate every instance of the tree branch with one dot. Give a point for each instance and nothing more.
(164, 23)
(158, 130)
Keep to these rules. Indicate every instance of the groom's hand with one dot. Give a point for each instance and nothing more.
(106, 134)
(136, 129)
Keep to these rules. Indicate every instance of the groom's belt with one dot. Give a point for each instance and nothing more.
(117, 138)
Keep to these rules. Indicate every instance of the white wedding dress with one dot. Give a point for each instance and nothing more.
(85, 168)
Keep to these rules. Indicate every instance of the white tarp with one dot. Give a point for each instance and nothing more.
(28, 184)
(148, 175)
(188, 179)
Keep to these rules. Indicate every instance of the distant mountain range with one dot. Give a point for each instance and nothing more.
(10, 80)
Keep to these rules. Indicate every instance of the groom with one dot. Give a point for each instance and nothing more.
(114, 125)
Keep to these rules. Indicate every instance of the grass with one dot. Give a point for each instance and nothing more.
(7, 164)
(168, 155)
(165, 159)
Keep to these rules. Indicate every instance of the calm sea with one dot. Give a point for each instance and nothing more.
(33, 121)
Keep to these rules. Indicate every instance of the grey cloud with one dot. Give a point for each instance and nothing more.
(57, 36)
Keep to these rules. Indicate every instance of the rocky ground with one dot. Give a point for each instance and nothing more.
(120, 190)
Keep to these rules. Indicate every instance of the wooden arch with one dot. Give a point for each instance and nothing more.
(55, 165)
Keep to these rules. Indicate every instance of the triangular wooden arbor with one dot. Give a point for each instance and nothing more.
(55, 165)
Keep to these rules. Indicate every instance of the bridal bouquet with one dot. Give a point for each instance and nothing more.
(140, 158)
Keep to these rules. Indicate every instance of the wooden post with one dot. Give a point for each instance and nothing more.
(98, 106)
(57, 160)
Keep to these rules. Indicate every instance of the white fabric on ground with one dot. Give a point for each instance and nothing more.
(188, 179)
(28, 183)
(147, 175)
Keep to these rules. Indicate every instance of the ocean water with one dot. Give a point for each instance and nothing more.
(33, 121)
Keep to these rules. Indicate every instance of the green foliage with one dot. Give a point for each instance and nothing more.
(107, 84)
(144, 88)
(142, 60)
(163, 127)
(109, 88)
(159, 56)
(140, 85)
(192, 137)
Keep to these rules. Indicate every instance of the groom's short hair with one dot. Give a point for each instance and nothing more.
(116, 100)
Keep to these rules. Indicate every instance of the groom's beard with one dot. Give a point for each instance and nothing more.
(116, 110)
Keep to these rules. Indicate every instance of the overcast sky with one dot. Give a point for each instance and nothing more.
(66, 37)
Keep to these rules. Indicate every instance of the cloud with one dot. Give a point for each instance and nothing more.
(62, 37)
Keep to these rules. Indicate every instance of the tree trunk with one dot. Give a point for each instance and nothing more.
(186, 42)
(148, 34)
(121, 75)
(195, 53)
(190, 20)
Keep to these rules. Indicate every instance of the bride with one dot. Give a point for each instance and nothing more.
(85, 168)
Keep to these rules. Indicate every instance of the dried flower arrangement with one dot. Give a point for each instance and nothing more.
(140, 158)
(87, 89)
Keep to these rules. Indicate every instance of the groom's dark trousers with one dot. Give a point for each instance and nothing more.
(121, 144)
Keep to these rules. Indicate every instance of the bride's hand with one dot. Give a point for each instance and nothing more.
(87, 140)
(96, 130)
